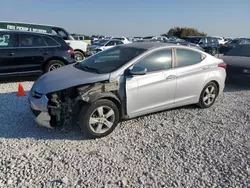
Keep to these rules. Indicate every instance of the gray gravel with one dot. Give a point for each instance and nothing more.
(184, 147)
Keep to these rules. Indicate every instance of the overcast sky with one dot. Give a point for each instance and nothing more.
(133, 17)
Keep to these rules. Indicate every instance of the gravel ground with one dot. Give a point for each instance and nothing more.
(184, 147)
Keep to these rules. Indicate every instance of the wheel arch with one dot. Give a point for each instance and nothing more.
(53, 59)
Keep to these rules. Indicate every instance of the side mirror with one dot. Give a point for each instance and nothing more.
(138, 71)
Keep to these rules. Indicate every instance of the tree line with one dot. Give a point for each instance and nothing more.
(182, 32)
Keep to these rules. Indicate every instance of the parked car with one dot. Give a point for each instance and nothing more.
(83, 38)
(185, 43)
(125, 40)
(233, 43)
(209, 44)
(238, 63)
(28, 53)
(124, 82)
(154, 38)
(103, 45)
(79, 47)
(221, 40)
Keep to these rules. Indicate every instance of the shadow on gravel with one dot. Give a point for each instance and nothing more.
(16, 121)
(19, 79)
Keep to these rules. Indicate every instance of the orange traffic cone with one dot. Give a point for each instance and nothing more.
(21, 91)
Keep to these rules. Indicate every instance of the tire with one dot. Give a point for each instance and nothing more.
(203, 103)
(79, 56)
(213, 51)
(99, 128)
(56, 63)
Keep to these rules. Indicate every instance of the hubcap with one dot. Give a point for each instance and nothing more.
(209, 95)
(79, 57)
(54, 66)
(102, 119)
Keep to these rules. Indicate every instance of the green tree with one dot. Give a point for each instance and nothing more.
(184, 31)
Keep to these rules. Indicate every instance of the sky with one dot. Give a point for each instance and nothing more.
(227, 18)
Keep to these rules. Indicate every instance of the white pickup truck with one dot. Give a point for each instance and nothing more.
(80, 47)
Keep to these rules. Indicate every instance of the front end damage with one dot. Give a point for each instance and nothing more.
(64, 106)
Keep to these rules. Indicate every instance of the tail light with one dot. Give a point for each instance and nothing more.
(222, 65)
(71, 51)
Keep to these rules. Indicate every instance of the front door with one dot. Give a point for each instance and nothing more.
(155, 90)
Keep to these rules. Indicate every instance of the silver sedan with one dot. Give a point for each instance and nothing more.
(124, 82)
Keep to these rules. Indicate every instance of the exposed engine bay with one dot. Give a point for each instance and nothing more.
(63, 106)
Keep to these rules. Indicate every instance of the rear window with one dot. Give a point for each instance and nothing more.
(240, 50)
(50, 42)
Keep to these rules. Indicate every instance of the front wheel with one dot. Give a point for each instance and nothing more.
(99, 119)
(208, 95)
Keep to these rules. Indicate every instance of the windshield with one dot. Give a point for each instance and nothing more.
(240, 50)
(101, 42)
(148, 37)
(235, 41)
(192, 39)
(109, 60)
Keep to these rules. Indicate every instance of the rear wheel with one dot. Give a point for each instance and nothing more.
(79, 56)
(208, 95)
(99, 119)
(53, 65)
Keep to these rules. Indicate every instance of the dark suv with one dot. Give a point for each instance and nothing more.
(209, 44)
(29, 53)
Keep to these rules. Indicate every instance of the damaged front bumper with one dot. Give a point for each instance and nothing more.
(39, 109)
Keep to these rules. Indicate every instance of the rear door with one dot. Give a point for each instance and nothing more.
(32, 53)
(191, 75)
(8, 52)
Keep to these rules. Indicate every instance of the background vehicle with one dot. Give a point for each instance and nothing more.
(221, 40)
(79, 47)
(209, 44)
(29, 53)
(233, 43)
(125, 40)
(238, 63)
(103, 45)
(81, 37)
(124, 82)
(185, 43)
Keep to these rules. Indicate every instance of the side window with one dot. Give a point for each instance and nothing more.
(50, 42)
(160, 60)
(81, 38)
(28, 40)
(119, 42)
(7, 40)
(111, 43)
(187, 57)
(209, 40)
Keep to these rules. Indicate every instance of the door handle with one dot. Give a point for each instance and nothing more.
(171, 77)
(10, 53)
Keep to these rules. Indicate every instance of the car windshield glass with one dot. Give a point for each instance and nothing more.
(147, 37)
(240, 50)
(109, 60)
(101, 42)
(235, 41)
(192, 39)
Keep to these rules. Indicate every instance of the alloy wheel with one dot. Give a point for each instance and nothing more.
(102, 119)
(209, 95)
(54, 66)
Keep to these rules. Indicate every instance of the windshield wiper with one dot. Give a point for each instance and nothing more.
(87, 68)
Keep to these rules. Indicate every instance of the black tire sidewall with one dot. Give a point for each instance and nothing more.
(79, 53)
(201, 102)
(51, 63)
(88, 109)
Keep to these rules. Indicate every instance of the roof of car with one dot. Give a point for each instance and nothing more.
(148, 45)
(26, 32)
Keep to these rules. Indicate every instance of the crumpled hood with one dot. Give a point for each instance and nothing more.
(66, 77)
